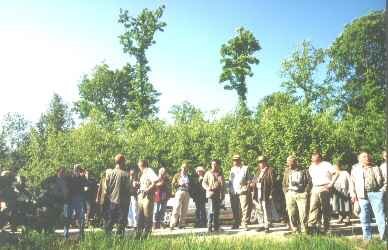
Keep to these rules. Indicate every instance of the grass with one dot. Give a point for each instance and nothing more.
(98, 240)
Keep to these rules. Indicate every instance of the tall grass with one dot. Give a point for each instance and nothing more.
(98, 240)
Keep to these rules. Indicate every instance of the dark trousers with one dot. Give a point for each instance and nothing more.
(214, 210)
(200, 213)
(118, 213)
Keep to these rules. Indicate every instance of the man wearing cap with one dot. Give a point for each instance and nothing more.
(74, 200)
(296, 187)
(214, 183)
(323, 176)
(146, 199)
(263, 190)
(367, 187)
(239, 181)
(182, 182)
(199, 198)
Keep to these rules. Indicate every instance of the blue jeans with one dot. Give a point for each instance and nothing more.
(374, 200)
(214, 210)
(159, 210)
(133, 212)
(76, 203)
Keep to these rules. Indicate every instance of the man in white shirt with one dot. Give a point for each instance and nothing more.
(145, 198)
(239, 181)
(323, 176)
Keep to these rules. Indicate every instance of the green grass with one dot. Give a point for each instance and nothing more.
(98, 240)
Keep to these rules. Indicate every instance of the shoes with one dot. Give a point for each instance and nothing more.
(340, 219)
(347, 220)
(234, 227)
(171, 229)
(218, 229)
(210, 229)
(245, 227)
(266, 230)
(162, 225)
(260, 229)
(154, 225)
(181, 227)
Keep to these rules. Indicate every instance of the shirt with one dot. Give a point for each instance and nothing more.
(294, 176)
(147, 179)
(118, 186)
(238, 180)
(322, 173)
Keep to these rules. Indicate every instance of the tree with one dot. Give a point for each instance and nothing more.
(111, 93)
(358, 63)
(237, 55)
(57, 118)
(184, 112)
(138, 37)
(301, 67)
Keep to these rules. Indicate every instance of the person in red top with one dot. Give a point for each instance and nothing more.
(162, 195)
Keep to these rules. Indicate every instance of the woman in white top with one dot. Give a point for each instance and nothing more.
(341, 200)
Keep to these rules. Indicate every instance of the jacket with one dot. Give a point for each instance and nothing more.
(356, 184)
(175, 183)
(267, 184)
(208, 182)
(305, 182)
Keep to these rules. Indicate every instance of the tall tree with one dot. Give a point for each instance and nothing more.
(237, 55)
(138, 37)
(358, 63)
(185, 112)
(300, 68)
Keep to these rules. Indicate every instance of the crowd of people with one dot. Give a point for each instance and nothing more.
(309, 196)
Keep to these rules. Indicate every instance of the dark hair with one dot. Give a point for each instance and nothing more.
(317, 154)
(59, 169)
(120, 159)
(217, 161)
(144, 163)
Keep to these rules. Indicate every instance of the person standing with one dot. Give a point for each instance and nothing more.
(56, 188)
(133, 214)
(367, 187)
(323, 176)
(199, 198)
(214, 184)
(102, 199)
(146, 198)
(263, 192)
(162, 195)
(74, 199)
(383, 167)
(118, 191)
(90, 197)
(296, 187)
(182, 182)
(239, 181)
(341, 200)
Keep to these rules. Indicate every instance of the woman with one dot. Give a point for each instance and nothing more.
(199, 197)
(162, 195)
(341, 201)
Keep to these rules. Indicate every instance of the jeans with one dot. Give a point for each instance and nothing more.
(200, 213)
(76, 203)
(159, 210)
(374, 200)
(214, 210)
(133, 213)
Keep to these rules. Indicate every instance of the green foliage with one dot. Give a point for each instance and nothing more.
(358, 62)
(237, 55)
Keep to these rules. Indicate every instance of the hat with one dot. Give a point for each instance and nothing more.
(236, 157)
(200, 169)
(261, 158)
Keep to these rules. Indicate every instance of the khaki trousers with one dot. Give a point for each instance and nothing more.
(236, 201)
(320, 203)
(146, 210)
(297, 210)
(182, 199)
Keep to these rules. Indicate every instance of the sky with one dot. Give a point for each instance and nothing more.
(46, 46)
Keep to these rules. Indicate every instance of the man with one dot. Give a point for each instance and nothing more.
(296, 187)
(102, 199)
(367, 187)
(74, 199)
(182, 182)
(117, 188)
(214, 184)
(239, 181)
(263, 190)
(146, 198)
(323, 176)
(90, 197)
(134, 207)
(383, 167)
(56, 188)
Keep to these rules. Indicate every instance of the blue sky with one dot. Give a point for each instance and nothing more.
(45, 46)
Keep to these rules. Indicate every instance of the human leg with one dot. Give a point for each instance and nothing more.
(184, 208)
(292, 209)
(301, 201)
(177, 208)
(235, 204)
(365, 218)
(377, 203)
(244, 207)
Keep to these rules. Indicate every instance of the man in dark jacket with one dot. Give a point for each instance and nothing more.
(296, 187)
(74, 199)
(263, 190)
